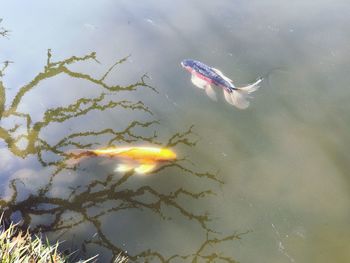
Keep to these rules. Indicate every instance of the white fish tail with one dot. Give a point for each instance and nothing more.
(238, 97)
(251, 87)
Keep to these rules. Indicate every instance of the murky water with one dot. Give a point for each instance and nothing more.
(267, 184)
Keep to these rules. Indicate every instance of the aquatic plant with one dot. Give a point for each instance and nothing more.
(17, 246)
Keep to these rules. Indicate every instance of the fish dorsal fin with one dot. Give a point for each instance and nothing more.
(222, 75)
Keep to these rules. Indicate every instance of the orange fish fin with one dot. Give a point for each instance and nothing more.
(123, 168)
(145, 168)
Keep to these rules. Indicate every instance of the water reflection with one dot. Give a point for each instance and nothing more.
(58, 204)
(3, 31)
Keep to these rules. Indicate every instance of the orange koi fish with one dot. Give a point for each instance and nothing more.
(141, 159)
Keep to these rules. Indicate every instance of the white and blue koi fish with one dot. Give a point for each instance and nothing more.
(205, 77)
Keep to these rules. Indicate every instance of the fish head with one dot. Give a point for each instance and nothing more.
(187, 64)
(166, 155)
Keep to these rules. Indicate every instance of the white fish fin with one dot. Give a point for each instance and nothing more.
(210, 92)
(145, 168)
(227, 96)
(239, 96)
(251, 87)
(198, 82)
(239, 99)
(222, 75)
(123, 168)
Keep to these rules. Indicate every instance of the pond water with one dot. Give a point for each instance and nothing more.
(267, 184)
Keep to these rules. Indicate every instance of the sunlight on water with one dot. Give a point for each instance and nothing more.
(265, 184)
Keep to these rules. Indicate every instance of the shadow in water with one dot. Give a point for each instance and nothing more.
(82, 199)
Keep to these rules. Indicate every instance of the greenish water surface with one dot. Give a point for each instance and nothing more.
(267, 184)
